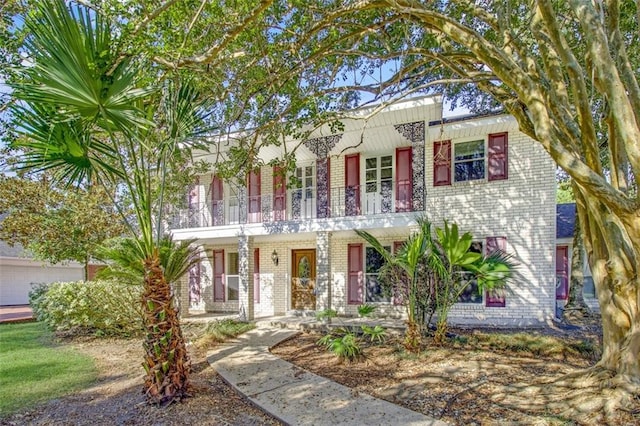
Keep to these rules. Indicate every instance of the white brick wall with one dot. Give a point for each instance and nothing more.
(521, 208)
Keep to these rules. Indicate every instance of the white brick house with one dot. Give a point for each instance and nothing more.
(269, 249)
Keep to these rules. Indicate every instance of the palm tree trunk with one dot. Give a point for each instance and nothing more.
(166, 361)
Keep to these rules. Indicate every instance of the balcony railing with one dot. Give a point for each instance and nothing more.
(295, 205)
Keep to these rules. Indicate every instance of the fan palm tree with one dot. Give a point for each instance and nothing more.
(84, 116)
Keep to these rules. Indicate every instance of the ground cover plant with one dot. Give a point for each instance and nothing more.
(34, 369)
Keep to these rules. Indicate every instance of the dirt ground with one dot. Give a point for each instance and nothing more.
(458, 383)
(117, 398)
(464, 384)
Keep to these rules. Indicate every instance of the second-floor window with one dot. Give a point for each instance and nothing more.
(303, 198)
(378, 184)
(469, 160)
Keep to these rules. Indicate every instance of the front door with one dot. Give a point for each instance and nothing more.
(303, 283)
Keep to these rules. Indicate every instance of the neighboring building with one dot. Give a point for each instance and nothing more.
(18, 273)
(271, 250)
(565, 224)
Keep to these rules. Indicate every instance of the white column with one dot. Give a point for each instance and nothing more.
(245, 293)
(323, 270)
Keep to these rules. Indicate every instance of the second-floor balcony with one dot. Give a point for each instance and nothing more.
(297, 205)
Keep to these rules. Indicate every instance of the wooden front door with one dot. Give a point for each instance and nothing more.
(303, 282)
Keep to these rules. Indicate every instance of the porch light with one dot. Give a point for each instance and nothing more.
(274, 257)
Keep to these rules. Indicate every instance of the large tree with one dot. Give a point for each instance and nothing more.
(56, 224)
(567, 71)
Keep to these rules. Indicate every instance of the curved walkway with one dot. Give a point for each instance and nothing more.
(296, 396)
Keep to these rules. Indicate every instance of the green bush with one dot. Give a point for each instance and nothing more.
(376, 334)
(102, 307)
(343, 343)
(366, 310)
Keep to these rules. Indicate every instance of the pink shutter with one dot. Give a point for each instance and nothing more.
(352, 185)
(495, 298)
(356, 274)
(279, 194)
(255, 210)
(217, 201)
(498, 156)
(256, 275)
(404, 187)
(218, 276)
(442, 163)
(562, 272)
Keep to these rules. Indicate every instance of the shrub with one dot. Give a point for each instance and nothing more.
(101, 307)
(377, 334)
(343, 343)
(366, 310)
(326, 314)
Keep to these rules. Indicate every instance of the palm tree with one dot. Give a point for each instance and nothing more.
(439, 269)
(411, 255)
(84, 116)
(455, 268)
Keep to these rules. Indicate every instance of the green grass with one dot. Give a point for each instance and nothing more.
(33, 369)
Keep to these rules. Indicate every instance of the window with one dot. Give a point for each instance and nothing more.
(303, 198)
(471, 293)
(378, 184)
(233, 276)
(472, 160)
(373, 289)
(468, 160)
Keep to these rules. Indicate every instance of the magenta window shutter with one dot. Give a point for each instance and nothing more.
(256, 275)
(442, 163)
(404, 187)
(218, 276)
(498, 156)
(495, 298)
(356, 274)
(217, 201)
(279, 194)
(562, 272)
(254, 197)
(352, 184)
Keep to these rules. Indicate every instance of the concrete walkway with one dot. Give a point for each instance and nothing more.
(296, 396)
(17, 313)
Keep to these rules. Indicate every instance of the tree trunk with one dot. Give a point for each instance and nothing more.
(576, 308)
(612, 242)
(166, 361)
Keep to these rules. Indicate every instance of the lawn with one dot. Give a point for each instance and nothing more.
(33, 369)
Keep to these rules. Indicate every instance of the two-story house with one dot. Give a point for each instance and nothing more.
(270, 249)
